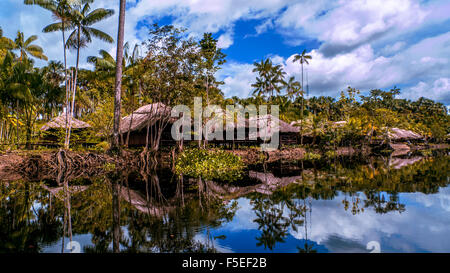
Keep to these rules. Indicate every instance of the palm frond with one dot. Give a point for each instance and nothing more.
(97, 15)
(101, 35)
(57, 27)
(30, 39)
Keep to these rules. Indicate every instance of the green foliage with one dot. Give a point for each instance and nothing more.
(210, 164)
(311, 156)
(102, 147)
(109, 167)
(330, 154)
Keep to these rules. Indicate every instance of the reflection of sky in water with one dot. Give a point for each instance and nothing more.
(423, 227)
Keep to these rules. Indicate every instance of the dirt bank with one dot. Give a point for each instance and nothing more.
(36, 165)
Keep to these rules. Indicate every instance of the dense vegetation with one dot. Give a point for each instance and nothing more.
(210, 165)
(173, 69)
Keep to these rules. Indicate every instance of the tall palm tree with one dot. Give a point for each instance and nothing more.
(25, 47)
(303, 59)
(118, 82)
(82, 20)
(62, 12)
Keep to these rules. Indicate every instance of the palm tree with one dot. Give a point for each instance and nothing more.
(118, 82)
(82, 35)
(5, 43)
(62, 12)
(104, 63)
(270, 78)
(293, 88)
(302, 58)
(26, 48)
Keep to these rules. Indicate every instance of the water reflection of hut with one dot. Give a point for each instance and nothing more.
(51, 129)
(151, 116)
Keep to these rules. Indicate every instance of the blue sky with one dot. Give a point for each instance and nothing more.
(365, 44)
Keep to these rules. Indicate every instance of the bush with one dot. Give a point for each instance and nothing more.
(210, 165)
(102, 146)
(331, 154)
(311, 156)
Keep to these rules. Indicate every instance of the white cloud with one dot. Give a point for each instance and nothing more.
(346, 25)
(238, 79)
(393, 48)
(225, 40)
(438, 90)
(365, 70)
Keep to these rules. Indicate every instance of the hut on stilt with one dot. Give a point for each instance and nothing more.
(147, 125)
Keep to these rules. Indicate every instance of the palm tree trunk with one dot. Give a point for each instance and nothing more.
(66, 142)
(303, 109)
(118, 83)
(74, 87)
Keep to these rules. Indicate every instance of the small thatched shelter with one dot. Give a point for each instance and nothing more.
(152, 116)
(60, 123)
(51, 130)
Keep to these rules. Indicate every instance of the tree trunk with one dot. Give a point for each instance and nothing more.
(116, 216)
(118, 83)
(17, 124)
(74, 87)
(303, 109)
(66, 142)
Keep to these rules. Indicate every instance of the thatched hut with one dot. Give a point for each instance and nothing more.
(398, 135)
(268, 125)
(53, 128)
(151, 116)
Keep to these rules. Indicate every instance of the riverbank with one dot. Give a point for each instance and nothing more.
(15, 165)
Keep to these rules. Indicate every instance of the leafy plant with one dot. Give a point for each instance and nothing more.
(210, 164)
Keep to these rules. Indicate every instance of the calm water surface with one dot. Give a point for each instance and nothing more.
(391, 204)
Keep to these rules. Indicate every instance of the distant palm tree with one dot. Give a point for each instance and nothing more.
(270, 78)
(118, 82)
(105, 62)
(303, 59)
(26, 48)
(5, 43)
(293, 88)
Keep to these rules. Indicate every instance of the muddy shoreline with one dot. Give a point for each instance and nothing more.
(39, 165)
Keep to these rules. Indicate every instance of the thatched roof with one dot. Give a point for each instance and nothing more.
(269, 124)
(60, 122)
(145, 115)
(398, 134)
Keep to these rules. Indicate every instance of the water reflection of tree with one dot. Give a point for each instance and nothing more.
(159, 223)
(23, 227)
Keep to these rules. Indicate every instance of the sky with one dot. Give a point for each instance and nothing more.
(365, 44)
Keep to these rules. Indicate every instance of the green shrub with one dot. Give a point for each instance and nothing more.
(210, 165)
(331, 154)
(311, 156)
(102, 146)
(426, 152)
